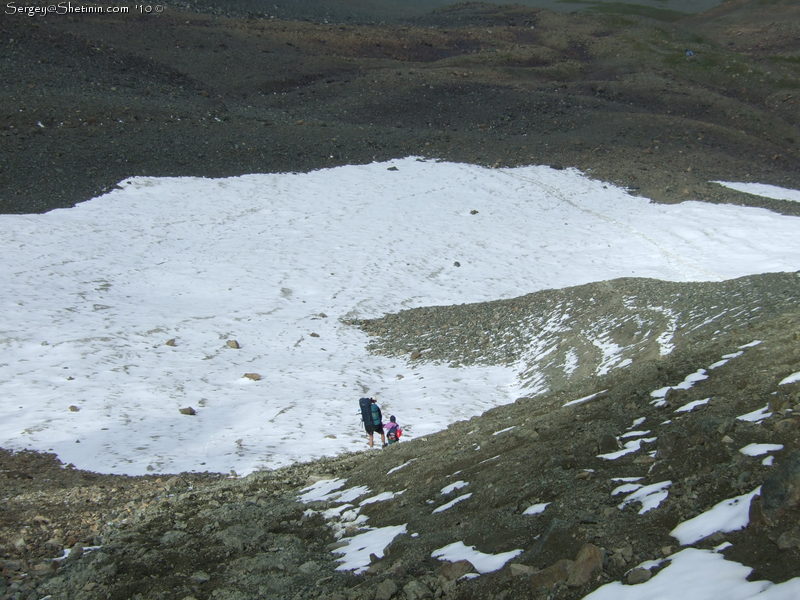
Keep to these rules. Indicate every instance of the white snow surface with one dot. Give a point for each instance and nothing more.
(728, 515)
(763, 189)
(482, 561)
(91, 295)
(695, 574)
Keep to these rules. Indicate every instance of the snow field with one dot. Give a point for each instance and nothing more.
(92, 294)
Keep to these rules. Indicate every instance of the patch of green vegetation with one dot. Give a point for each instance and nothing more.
(622, 8)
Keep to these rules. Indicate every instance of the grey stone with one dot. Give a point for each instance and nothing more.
(519, 570)
(416, 590)
(453, 570)
(637, 576)
(789, 539)
(781, 490)
(200, 577)
(385, 590)
(587, 563)
(556, 573)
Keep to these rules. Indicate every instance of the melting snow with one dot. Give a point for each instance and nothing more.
(452, 503)
(756, 415)
(793, 378)
(700, 575)
(763, 189)
(277, 262)
(585, 398)
(728, 515)
(456, 485)
(649, 496)
(536, 509)
(483, 563)
(759, 449)
(690, 406)
(357, 549)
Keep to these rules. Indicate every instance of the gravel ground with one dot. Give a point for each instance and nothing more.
(93, 99)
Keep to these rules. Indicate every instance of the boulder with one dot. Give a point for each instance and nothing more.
(780, 492)
(385, 590)
(519, 570)
(556, 573)
(416, 590)
(637, 576)
(587, 563)
(453, 570)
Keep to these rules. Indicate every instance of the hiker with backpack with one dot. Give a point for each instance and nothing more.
(393, 431)
(373, 419)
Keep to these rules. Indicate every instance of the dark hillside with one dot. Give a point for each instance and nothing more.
(91, 99)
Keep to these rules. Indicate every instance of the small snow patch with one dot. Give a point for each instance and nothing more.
(692, 405)
(793, 378)
(760, 449)
(504, 430)
(483, 563)
(356, 553)
(585, 398)
(398, 467)
(756, 415)
(456, 485)
(729, 515)
(649, 496)
(452, 503)
(536, 509)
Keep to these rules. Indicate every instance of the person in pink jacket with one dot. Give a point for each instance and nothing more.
(393, 431)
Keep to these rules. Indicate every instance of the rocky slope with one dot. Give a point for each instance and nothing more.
(677, 413)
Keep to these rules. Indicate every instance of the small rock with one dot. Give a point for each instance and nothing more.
(456, 264)
(45, 567)
(187, 410)
(520, 570)
(416, 590)
(473, 212)
(453, 570)
(416, 354)
(607, 443)
(781, 490)
(588, 561)
(253, 376)
(385, 590)
(637, 576)
(789, 539)
(314, 334)
(309, 568)
(726, 439)
(558, 572)
(73, 408)
(171, 342)
(233, 344)
(199, 577)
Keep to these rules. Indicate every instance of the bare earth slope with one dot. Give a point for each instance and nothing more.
(206, 537)
(89, 100)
